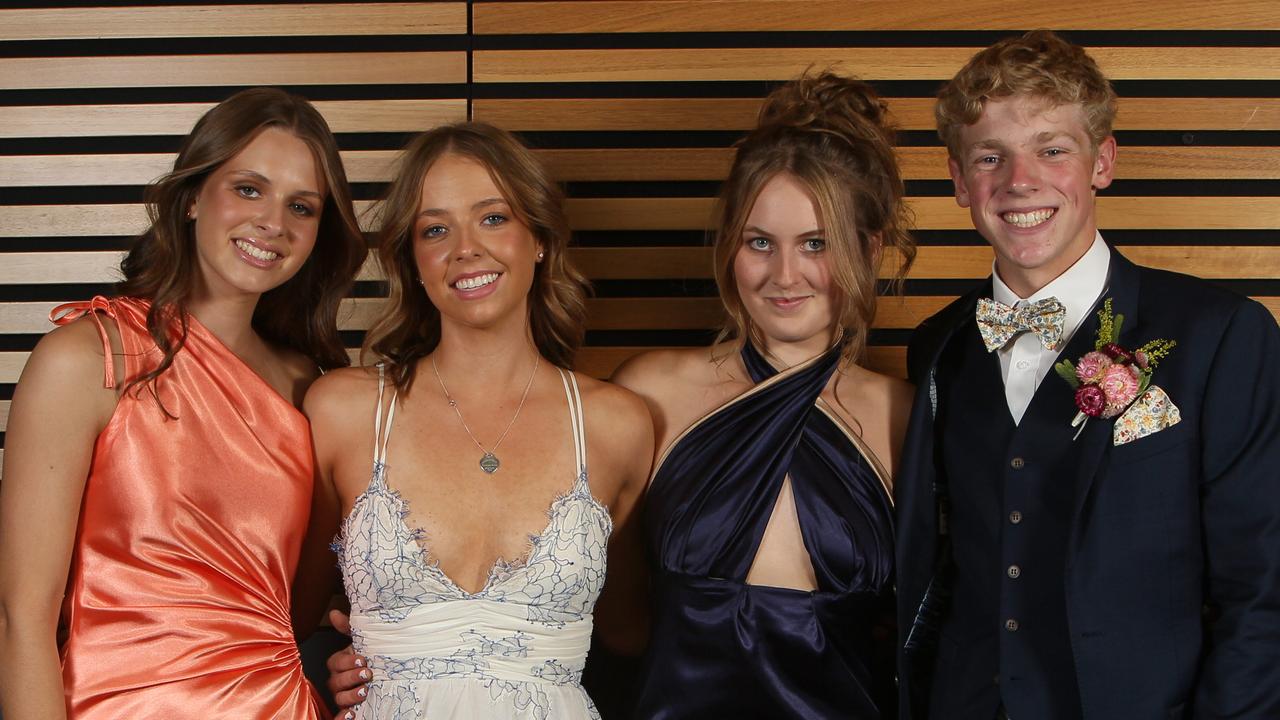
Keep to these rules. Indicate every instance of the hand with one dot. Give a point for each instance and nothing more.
(348, 672)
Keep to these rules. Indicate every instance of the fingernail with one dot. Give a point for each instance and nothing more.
(364, 674)
(359, 662)
(362, 692)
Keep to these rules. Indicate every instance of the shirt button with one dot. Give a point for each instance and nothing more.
(1017, 463)
(1014, 571)
(1015, 517)
(1011, 625)
(1023, 364)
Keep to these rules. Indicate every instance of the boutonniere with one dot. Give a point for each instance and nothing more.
(1109, 379)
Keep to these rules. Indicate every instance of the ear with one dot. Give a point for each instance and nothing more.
(191, 211)
(1104, 163)
(957, 179)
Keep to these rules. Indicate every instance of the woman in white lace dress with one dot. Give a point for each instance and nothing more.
(473, 479)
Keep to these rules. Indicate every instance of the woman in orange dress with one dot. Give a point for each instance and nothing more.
(158, 474)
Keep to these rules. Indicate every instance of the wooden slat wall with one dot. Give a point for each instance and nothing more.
(635, 105)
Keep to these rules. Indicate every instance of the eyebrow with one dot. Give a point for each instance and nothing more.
(435, 212)
(761, 231)
(253, 174)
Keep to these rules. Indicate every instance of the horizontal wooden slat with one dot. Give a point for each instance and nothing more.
(392, 68)
(4, 415)
(910, 113)
(227, 20)
(343, 116)
(642, 263)
(817, 15)
(72, 220)
(643, 164)
(875, 63)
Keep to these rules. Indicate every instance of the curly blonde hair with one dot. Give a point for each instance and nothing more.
(1039, 64)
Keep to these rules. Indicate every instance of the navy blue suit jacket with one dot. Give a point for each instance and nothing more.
(1173, 568)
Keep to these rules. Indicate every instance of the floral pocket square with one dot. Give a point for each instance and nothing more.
(1149, 414)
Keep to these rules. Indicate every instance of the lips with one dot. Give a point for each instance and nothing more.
(256, 252)
(475, 282)
(1029, 218)
(786, 303)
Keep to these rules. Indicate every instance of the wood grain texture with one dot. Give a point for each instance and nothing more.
(391, 68)
(144, 168)
(227, 20)
(818, 15)
(910, 113)
(882, 63)
(343, 116)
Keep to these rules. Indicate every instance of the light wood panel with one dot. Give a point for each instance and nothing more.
(819, 15)
(389, 68)
(343, 116)
(143, 168)
(115, 220)
(649, 263)
(910, 113)
(228, 20)
(879, 63)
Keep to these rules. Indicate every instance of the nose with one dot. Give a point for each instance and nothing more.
(786, 271)
(1023, 176)
(466, 244)
(271, 220)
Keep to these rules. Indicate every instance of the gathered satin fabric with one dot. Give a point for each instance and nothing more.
(177, 600)
(721, 647)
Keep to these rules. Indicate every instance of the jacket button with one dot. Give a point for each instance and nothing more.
(1014, 571)
(1017, 463)
(1015, 517)
(1011, 625)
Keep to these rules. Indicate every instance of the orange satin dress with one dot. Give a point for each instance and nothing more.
(177, 601)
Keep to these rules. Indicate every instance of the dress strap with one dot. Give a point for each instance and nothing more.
(67, 312)
(381, 434)
(574, 397)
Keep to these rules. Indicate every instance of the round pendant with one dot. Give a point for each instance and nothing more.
(489, 463)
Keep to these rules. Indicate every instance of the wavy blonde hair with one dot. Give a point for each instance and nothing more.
(409, 329)
(1039, 65)
(833, 135)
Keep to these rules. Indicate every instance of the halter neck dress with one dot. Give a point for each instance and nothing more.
(513, 650)
(721, 647)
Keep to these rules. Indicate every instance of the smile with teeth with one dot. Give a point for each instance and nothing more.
(478, 281)
(254, 251)
(1028, 219)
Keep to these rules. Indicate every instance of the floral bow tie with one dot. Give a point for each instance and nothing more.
(1000, 323)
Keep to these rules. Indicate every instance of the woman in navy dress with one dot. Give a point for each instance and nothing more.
(770, 517)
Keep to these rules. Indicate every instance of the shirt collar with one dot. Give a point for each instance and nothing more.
(1078, 289)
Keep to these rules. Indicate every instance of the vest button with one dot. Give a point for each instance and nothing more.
(1011, 625)
(1015, 517)
(1014, 571)
(1017, 463)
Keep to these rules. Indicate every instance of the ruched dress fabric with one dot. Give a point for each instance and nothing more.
(177, 601)
(513, 650)
(723, 648)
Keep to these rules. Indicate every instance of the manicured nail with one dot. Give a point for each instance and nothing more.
(359, 662)
(364, 674)
(362, 692)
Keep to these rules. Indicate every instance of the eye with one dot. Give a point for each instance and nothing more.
(762, 244)
(433, 232)
(814, 245)
(247, 191)
(989, 160)
(1055, 152)
(303, 209)
(493, 219)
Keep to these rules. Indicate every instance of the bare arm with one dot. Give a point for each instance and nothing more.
(59, 408)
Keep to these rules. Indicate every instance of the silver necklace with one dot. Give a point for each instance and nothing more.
(489, 461)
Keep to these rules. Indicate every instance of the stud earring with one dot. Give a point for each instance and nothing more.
(540, 255)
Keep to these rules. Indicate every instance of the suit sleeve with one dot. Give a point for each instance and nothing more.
(1240, 513)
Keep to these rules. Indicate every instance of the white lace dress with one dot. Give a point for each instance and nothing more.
(516, 648)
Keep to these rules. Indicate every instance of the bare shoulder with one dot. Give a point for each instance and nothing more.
(338, 393)
(72, 353)
(613, 403)
(892, 393)
(656, 372)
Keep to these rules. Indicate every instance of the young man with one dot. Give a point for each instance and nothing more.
(1102, 542)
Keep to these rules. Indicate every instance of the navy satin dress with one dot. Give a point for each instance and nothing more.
(721, 648)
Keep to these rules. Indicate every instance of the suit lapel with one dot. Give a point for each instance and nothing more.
(1095, 439)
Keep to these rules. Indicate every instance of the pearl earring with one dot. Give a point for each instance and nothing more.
(540, 255)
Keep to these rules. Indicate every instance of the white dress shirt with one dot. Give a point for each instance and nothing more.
(1024, 362)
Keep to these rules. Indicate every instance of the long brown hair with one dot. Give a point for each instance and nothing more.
(409, 329)
(300, 314)
(832, 134)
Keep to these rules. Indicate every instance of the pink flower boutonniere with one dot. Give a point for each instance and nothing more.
(1109, 379)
